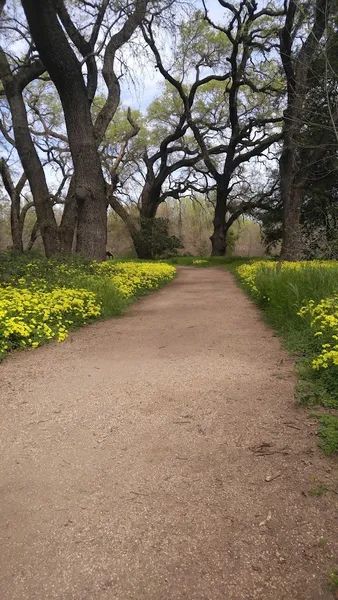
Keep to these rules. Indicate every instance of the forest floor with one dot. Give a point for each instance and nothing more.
(162, 456)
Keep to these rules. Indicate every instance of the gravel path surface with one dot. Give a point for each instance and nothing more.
(161, 456)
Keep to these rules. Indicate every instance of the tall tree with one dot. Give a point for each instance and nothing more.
(97, 32)
(14, 82)
(157, 162)
(298, 58)
(65, 70)
(246, 128)
(17, 213)
(317, 162)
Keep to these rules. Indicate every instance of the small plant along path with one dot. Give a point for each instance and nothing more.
(161, 456)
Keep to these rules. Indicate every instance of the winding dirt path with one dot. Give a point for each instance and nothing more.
(134, 460)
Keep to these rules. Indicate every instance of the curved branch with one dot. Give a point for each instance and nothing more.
(112, 81)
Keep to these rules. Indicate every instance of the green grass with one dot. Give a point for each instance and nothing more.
(113, 304)
(43, 299)
(231, 262)
(328, 433)
(287, 292)
(281, 295)
(78, 275)
(319, 490)
(334, 579)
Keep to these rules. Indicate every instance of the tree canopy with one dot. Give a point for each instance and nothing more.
(238, 106)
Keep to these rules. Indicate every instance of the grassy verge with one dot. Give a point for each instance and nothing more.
(44, 299)
(301, 302)
(231, 262)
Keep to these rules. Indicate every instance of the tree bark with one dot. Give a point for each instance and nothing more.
(149, 203)
(143, 250)
(30, 159)
(218, 238)
(34, 235)
(16, 232)
(14, 195)
(150, 200)
(35, 175)
(134, 227)
(292, 229)
(65, 71)
(69, 220)
(297, 65)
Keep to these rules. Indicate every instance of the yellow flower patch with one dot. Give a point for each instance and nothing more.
(322, 316)
(133, 278)
(324, 320)
(248, 272)
(30, 317)
(40, 304)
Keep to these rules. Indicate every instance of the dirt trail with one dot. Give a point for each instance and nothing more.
(131, 467)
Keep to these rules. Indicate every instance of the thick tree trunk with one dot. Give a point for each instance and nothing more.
(13, 86)
(16, 230)
(297, 67)
(17, 223)
(291, 194)
(65, 71)
(91, 205)
(218, 238)
(150, 201)
(34, 171)
(69, 220)
(135, 228)
(292, 249)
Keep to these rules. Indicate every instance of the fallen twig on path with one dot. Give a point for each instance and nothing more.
(292, 425)
(266, 449)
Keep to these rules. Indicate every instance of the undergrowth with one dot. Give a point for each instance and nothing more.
(301, 302)
(43, 299)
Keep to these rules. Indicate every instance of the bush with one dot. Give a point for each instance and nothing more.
(154, 241)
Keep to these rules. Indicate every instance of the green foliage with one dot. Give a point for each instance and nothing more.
(232, 262)
(334, 579)
(43, 299)
(328, 433)
(319, 490)
(282, 293)
(299, 300)
(154, 241)
(200, 43)
(163, 113)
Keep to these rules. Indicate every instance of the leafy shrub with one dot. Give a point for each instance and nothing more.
(154, 241)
